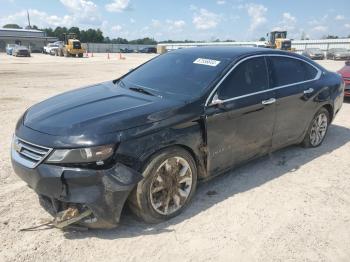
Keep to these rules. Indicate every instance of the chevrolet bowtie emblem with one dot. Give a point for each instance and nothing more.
(17, 146)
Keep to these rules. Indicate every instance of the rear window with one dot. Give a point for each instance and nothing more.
(286, 71)
(76, 45)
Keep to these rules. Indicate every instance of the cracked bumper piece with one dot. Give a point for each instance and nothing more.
(102, 191)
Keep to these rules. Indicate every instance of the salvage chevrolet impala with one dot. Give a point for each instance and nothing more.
(147, 138)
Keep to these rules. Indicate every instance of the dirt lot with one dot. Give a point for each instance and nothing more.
(292, 205)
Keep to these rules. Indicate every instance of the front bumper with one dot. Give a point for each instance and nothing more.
(103, 191)
(22, 53)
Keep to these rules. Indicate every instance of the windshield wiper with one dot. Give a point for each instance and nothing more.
(141, 90)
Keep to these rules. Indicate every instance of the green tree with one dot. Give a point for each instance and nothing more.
(59, 32)
(120, 40)
(143, 41)
(48, 31)
(75, 30)
(262, 39)
(14, 26)
(331, 37)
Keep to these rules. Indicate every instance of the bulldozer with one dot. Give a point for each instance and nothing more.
(278, 40)
(71, 47)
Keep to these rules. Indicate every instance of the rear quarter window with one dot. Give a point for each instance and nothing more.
(286, 71)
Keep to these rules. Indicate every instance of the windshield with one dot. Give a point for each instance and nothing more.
(281, 35)
(177, 73)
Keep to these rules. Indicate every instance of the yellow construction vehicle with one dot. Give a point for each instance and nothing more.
(278, 40)
(71, 47)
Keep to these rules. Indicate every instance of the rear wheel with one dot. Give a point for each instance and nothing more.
(318, 129)
(80, 55)
(170, 180)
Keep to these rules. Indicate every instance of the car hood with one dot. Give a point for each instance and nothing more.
(98, 109)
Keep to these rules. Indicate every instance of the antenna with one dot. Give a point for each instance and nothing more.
(28, 20)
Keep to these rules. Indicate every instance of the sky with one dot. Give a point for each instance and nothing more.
(207, 20)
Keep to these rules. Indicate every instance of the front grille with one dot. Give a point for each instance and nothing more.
(29, 154)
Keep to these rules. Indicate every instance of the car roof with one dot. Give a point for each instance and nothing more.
(229, 51)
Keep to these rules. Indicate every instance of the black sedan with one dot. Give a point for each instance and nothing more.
(147, 138)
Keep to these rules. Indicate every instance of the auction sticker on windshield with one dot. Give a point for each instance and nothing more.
(208, 62)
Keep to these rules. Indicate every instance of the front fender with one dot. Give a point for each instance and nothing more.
(136, 151)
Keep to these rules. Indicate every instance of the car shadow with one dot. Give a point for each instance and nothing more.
(242, 179)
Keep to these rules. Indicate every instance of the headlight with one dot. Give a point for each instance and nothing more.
(82, 155)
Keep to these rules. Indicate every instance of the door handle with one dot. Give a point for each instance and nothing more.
(268, 101)
(308, 91)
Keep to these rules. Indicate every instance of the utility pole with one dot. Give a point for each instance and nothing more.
(28, 20)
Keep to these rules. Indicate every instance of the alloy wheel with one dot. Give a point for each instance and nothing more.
(171, 186)
(318, 129)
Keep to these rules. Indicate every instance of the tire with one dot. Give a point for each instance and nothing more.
(316, 132)
(162, 176)
(80, 55)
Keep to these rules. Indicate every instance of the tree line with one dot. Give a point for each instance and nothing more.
(96, 36)
(86, 36)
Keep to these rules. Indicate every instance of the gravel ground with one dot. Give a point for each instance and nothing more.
(293, 205)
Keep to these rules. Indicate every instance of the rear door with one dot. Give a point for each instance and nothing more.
(240, 116)
(294, 81)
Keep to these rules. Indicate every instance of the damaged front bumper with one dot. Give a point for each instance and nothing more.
(104, 192)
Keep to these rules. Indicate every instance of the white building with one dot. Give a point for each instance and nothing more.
(33, 39)
(299, 45)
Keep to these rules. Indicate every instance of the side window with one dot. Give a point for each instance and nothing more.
(248, 77)
(286, 71)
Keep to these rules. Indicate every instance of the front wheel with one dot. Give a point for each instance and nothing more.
(170, 180)
(318, 129)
